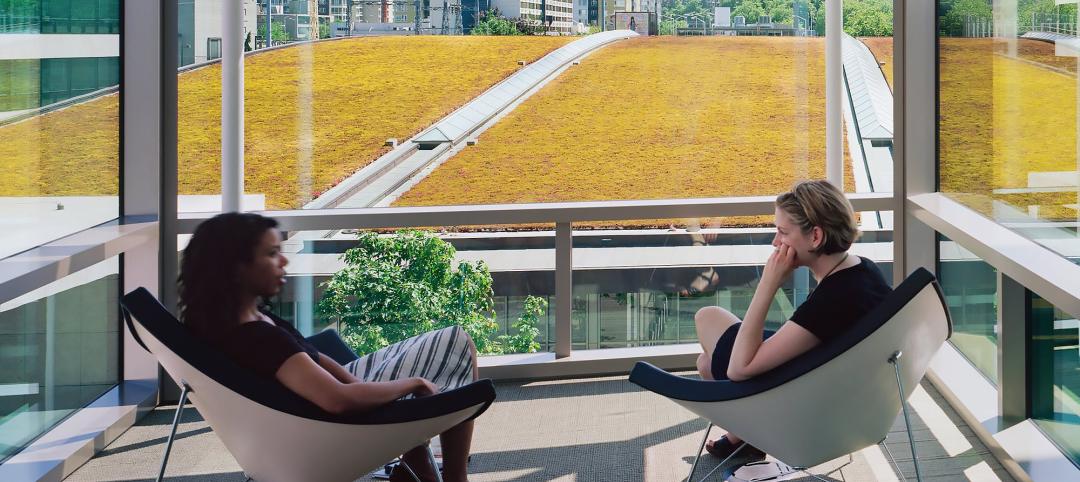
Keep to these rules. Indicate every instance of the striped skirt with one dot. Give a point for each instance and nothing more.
(443, 357)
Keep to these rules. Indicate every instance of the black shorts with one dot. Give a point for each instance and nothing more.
(722, 353)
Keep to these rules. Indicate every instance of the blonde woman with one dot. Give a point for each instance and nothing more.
(815, 227)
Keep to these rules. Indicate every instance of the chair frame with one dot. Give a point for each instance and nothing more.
(232, 394)
(894, 360)
(913, 318)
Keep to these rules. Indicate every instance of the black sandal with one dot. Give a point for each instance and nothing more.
(723, 449)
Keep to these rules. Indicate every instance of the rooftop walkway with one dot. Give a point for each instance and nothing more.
(574, 430)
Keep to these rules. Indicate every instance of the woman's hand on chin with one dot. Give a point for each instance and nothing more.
(779, 266)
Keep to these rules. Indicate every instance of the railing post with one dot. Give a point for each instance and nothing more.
(564, 287)
(1013, 332)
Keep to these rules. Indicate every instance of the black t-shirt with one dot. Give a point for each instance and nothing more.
(842, 299)
(262, 348)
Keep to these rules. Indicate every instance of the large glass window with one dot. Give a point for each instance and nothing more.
(379, 116)
(59, 120)
(1055, 363)
(1008, 115)
(970, 288)
(368, 120)
(59, 350)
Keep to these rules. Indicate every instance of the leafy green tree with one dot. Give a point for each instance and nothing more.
(667, 27)
(527, 331)
(862, 18)
(396, 287)
(492, 24)
(751, 10)
(1044, 11)
(954, 12)
(780, 11)
(868, 18)
(247, 42)
(278, 31)
(682, 7)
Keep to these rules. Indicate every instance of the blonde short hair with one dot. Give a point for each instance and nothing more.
(819, 203)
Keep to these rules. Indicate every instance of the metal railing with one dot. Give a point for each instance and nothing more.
(562, 215)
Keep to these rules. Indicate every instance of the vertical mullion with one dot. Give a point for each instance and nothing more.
(142, 140)
(1012, 358)
(564, 286)
(915, 135)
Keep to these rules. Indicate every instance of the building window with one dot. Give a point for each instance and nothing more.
(213, 48)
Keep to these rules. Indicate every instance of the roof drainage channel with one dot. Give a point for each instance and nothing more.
(870, 125)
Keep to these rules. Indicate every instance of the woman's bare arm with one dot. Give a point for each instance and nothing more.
(308, 379)
(750, 356)
(339, 372)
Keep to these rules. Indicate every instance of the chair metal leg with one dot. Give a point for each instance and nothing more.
(806, 470)
(401, 463)
(705, 438)
(722, 462)
(434, 466)
(172, 431)
(895, 360)
(892, 459)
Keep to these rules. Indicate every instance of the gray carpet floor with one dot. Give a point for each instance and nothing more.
(595, 429)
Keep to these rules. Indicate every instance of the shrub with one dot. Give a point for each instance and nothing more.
(491, 23)
(396, 287)
(524, 341)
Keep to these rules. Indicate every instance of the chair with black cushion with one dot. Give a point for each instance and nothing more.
(329, 343)
(836, 399)
(276, 435)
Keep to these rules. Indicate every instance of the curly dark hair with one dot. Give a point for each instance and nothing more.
(208, 286)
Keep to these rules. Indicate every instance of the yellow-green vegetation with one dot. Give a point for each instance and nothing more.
(1001, 119)
(882, 48)
(650, 118)
(314, 114)
(19, 82)
(73, 151)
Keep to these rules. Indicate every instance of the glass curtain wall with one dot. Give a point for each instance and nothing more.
(1008, 115)
(59, 154)
(971, 293)
(1055, 364)
(1008, 149)
(401, 109)
(59, 350)
(59, 119)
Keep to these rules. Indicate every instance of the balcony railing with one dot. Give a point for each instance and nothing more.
(562, 215)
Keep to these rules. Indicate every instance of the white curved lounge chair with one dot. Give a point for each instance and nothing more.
(276, 435)
(836, 399)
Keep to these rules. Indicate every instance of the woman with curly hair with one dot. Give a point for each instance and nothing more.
(233, 263)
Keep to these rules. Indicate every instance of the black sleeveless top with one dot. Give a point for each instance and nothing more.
(842, 299)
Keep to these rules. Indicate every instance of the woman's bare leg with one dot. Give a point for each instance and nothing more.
(711, 323)
(417, 460)
(457, 441)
